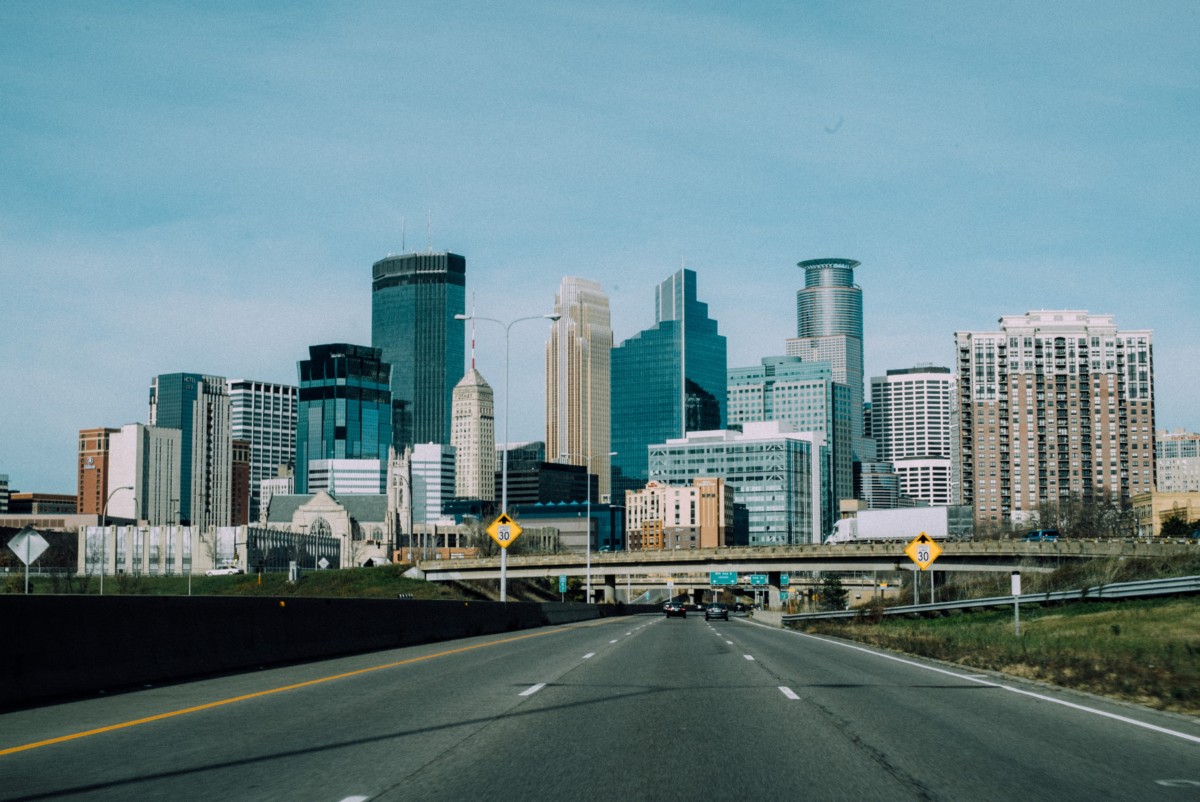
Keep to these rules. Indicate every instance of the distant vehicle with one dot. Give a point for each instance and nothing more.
(939, 523)
(716, 610)
(675, 609)
(227, 570)
(740, 608)
(1041, 536)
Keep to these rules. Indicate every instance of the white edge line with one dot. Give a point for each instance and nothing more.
(990, 683)
(530, 691)
(788, 692)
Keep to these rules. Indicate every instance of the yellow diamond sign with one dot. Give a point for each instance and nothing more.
(504, 530)
(923, 550)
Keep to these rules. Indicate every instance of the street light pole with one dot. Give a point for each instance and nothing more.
(104, 534)
(588, 515)
(504, 457)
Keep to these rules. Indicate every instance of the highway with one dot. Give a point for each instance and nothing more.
(635, 708)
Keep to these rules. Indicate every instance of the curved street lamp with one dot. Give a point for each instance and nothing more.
(504, 458)
(104, 533)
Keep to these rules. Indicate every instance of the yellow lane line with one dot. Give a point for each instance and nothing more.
(244, 697)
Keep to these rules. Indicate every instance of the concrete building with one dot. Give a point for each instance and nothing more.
(804, 396)
(1177, 462)
(198, 406)
(345, 419)
(433, 482)
(358, 525)
(578, 379)
(829, 328)
(912, 422)
(666, 381)
(414, 298)
(1150, 510)
(92, 486)
(239, 484)
(1053, 406)
(41, 504)
(149, 460)
(699, 515)
(283, 485)
(781, 477)
(264, 413)
(473, 435)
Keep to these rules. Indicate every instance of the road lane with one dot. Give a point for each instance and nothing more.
(618, 709)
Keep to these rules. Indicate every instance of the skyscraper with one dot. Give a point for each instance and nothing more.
(414, 298)
(829, 328)
(911, 419)
(148, 460)
(578, 382)
(473, 436)
(666, 381)
(264, 413)
(344, 417)
(1056, 405)
(198, 406)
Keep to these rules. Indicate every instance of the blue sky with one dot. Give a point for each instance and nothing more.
(204, 187)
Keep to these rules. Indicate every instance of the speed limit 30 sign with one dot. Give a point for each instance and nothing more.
(923, 550)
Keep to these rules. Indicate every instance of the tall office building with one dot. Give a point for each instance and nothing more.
(414, 298)
(578, 382)
(433, 483)
(829, 328)
(198, 406)
(1055, 405)
(3, 492)
(473, 436)
(344, 414)
(93, 470)
(1177, 462)
(264, 413)
(239, 505)
(805, 396)
(148, 460)
(666, 381)
(911, 417)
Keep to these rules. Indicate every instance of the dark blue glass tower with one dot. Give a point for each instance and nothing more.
(414, 298)
(666, 381)
(345, 407)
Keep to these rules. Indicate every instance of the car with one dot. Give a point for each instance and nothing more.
(227, 570)
(1041, 536)
(716, 610)
(740, 608)
(674, 608)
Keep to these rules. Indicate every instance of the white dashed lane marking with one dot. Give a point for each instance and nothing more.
(531, 690)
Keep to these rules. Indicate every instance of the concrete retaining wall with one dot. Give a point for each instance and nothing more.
(61, 646)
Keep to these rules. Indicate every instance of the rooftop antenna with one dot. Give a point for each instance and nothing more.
(403, 231)
(429, 229)
(472, 331)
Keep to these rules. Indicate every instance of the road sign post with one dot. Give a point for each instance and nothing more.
(504, 531)
(1016, 591)
(28, 545)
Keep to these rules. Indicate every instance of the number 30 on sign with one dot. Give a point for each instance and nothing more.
(923, 550)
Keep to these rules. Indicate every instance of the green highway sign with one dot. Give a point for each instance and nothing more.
(722, 578)
(758, 579)
(783, 580)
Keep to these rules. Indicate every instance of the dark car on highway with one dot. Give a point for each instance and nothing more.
(675, 609)
(716, 610)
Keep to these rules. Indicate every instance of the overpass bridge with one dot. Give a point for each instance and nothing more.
(688, 570)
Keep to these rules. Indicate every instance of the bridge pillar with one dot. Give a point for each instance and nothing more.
(610, 589)
(773, 586)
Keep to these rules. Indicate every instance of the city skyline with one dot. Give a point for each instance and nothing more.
(211, 196)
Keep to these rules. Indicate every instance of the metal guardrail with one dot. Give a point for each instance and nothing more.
(1116, 590)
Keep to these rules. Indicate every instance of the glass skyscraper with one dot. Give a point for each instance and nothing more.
(666, 381)
(829, 328)
(198, 406)
(414, 298)
(345, 408)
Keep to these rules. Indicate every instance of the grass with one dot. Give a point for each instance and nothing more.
(1146, 652)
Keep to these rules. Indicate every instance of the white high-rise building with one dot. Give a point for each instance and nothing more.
(578, 386)
(1178, 462)
(1056, 405)
(913, 428)
(473, 435)
(148, 460)
(264, 414)
(432, 469)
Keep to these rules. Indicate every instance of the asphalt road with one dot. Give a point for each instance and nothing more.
(622, 709)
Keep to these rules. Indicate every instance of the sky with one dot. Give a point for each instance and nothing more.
(203, 187)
